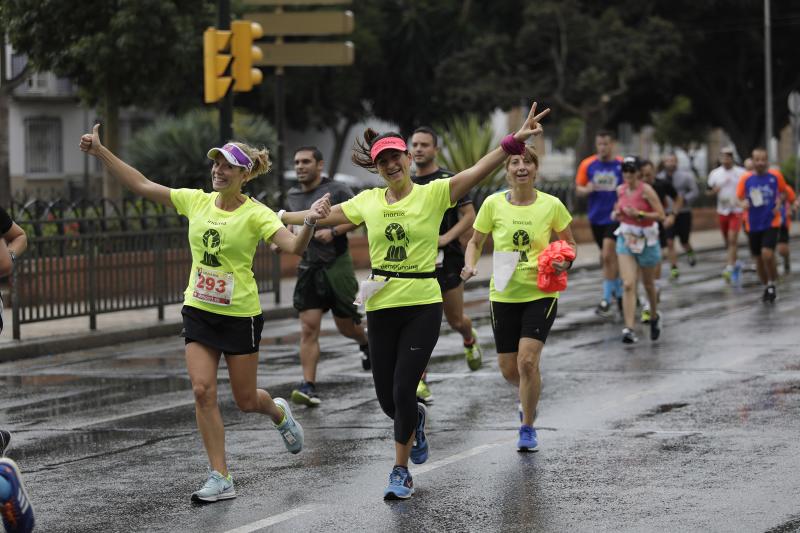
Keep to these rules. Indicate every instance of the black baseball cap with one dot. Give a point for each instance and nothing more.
(631, 163)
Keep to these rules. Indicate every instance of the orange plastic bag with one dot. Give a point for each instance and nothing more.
(556, 252)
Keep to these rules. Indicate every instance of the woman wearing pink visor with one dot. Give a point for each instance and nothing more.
(402, 297)
(222, 312)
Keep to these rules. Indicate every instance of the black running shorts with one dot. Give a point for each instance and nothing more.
(762, 239)
(231, 335)
(513, 321)
(449, 274)
(604, 231)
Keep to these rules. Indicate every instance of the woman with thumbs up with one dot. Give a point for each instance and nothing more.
(222, 312)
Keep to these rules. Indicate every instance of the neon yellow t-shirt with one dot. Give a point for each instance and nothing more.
(525, 229)
(223, 244)
(403, 237)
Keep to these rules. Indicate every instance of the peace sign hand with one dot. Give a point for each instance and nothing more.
(90, 142)
(531, 125)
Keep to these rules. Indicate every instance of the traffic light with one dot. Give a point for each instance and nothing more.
(215, 63)
(245, 54)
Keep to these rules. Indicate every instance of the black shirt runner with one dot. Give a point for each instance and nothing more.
(450, 218)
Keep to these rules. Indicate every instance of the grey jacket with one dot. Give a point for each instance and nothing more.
(685, 184)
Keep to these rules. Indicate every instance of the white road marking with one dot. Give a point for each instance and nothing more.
(292, 513)
(272, 520)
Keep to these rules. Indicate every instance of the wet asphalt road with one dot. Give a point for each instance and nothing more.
(697, 432)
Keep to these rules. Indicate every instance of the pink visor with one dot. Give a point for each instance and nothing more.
(387, 143)
(233, 155)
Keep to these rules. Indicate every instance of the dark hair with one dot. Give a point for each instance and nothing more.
(361, 149)
(604, 133)
(759, 149)
(646, 162)
(429, 131)
(313, 149)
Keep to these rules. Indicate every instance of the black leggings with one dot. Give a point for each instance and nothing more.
(401, 340)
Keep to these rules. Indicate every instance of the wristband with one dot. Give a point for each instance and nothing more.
(511, 146)
(640, 215)
(280, 215)
(309, 224)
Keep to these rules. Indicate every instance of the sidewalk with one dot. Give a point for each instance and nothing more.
(59, 336)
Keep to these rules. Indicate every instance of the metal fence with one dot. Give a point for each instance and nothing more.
(84, 260)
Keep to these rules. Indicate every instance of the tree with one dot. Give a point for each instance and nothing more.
(588, 57)
(722, 67)
(119, 53)
(676, 126)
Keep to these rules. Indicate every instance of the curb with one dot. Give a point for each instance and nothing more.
(97, 339)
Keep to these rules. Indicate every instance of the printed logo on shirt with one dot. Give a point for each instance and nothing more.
(522, 243)
(212, 242)
(604, 181)
(397, 236)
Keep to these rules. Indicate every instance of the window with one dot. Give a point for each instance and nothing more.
(43, 150)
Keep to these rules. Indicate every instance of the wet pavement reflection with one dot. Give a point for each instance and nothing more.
(699, 429)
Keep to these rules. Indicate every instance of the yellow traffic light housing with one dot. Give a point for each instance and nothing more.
(245, 54)
(215, 63)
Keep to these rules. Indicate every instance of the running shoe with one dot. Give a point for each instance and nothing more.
(424, 394)
(674, 273)
(16, 512)
(691, 257)
(646, 314)
(769, 294)
(419, 450)
(290, 429)
(217, 487)
(528, 442)
(401, 486)
(736, 275)
(655, 327)
(604, 309)
(727, 274)
(473, 352)
(306, 395)
(628, 336)
(366, 364)
(5, 440)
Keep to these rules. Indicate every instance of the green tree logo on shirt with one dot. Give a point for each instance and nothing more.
(522, 243)
(211, 242)
(397, 236)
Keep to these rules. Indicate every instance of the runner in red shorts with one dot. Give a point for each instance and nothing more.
(722, 182)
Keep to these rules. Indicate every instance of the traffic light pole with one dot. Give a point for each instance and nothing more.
(226, 103)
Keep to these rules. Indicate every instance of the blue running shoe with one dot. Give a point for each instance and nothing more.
(217, 487)
(419, 450)
(527, 439)
(401, 486)
(16, 512)
(290, 429)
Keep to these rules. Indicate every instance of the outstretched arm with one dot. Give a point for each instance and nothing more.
(297, 244)
(465, 180)
(334, 218)
(131, 178)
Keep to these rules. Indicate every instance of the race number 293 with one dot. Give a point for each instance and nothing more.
(213, 286)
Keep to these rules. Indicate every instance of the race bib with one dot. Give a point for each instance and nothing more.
(213, 286)
(756, 198)
(635, 243)
(367, 289)
(605, 181)
(504, 264)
